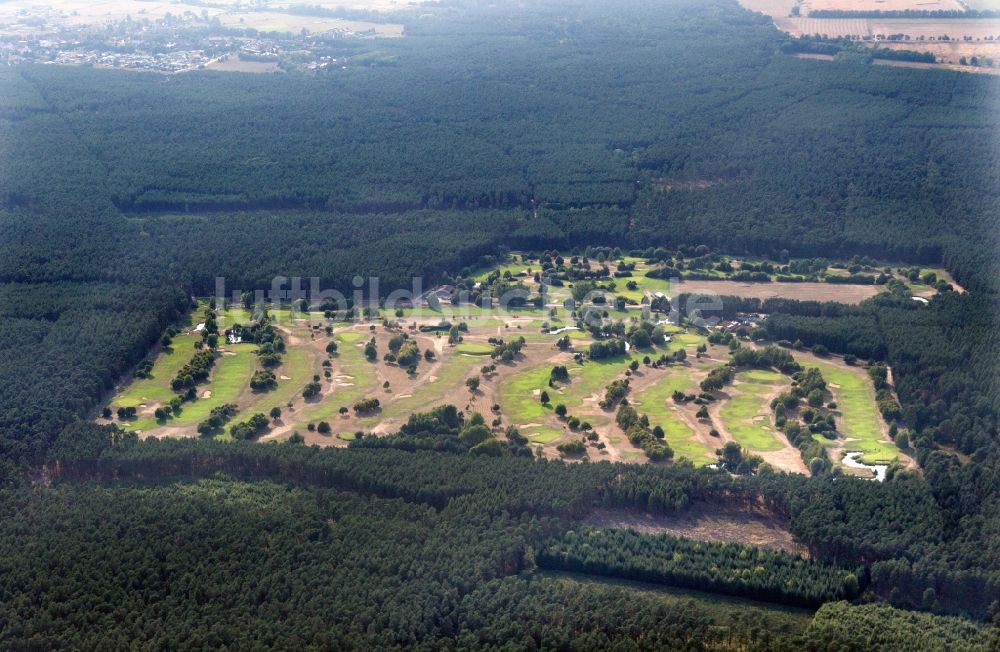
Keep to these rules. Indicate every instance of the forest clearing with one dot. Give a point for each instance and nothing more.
(538, 367)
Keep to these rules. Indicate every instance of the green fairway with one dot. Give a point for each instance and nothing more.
(645, 283)
(449, 382)
(519, 395)
(763, 376)
(362, 383)
(860, 421)
(513, 268)
(747, 414)
(656, 401)
(156, 389)
(542, 434)
(296, 364)
(681, 340)
(230, 377)
(589, 379)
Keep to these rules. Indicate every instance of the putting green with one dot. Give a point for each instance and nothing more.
(542, 434)
(764, 376)
(474, 348)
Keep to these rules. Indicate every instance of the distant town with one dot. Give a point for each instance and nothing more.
(186, 38)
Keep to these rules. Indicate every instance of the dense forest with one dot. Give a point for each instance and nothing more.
(536, 126)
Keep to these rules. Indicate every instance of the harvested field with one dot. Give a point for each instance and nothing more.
(881, 5)
(951, 52)
(235, 64)
(953, 28)
(841, 293)
(360, 5)
(917, 30)
(705, 522)
(939, 66)
(267, 21)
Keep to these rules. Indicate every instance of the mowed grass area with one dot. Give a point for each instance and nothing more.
(520, 397)
(351, 362)
(656, 401)
(747, 414)
(230, 377)
(681, 340)
(860, 422)
(474, 348)
(156, 389)
(645, 283)
(592, 378)
(448, 382)
(296, 364)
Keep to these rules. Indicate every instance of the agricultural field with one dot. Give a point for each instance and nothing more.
(235, 64)
(349, 362)
(951, 53)
(267, 21)
(881, 5)
(918, 31)
(950, 40)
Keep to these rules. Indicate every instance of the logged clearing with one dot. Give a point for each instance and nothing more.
(704, 522)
